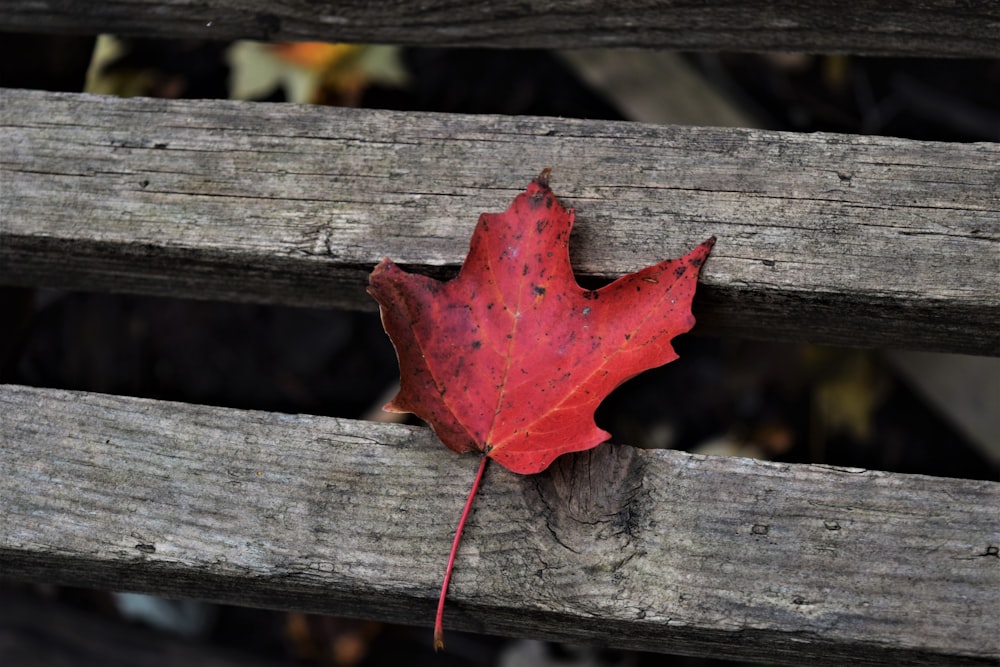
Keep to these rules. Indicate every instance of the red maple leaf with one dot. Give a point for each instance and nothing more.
(512, 357)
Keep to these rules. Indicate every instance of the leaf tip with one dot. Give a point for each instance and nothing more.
(392, 407)
(438, 641)
(542, 180)
(381, 268)
(700, 253)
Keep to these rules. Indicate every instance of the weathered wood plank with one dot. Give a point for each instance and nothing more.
(829, 238)
(658, 550)
(943, 27)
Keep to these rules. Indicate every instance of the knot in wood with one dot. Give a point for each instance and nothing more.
(594, 496)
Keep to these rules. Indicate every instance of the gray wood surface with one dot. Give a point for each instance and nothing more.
(936, 28)
(657, 550)
(829, 238)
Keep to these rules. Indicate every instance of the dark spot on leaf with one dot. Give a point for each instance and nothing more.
(476, 344)
(590, 295)
(628, 336)
(697, 262)
(680, 271)
(538, 290)
(548, 202)
(524, 271)
(541, 224)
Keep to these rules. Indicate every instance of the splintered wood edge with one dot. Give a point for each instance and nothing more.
(654, 550)
(857, 241)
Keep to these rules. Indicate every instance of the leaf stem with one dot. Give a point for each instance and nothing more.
(439, 619)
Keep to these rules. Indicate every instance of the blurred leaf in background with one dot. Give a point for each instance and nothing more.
(325, 640)
(105, 77)
(848, 387)
(164, 68)
(311, 72)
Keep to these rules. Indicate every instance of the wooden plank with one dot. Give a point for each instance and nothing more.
(942, 28)
(835, 239)
(656, 550)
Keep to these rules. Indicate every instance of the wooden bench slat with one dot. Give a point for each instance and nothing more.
(833, 239)
(864, 27)
(657, 550)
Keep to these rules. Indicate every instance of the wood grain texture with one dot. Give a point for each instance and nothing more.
(657, 550)
(836, 239)
(937, 28)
